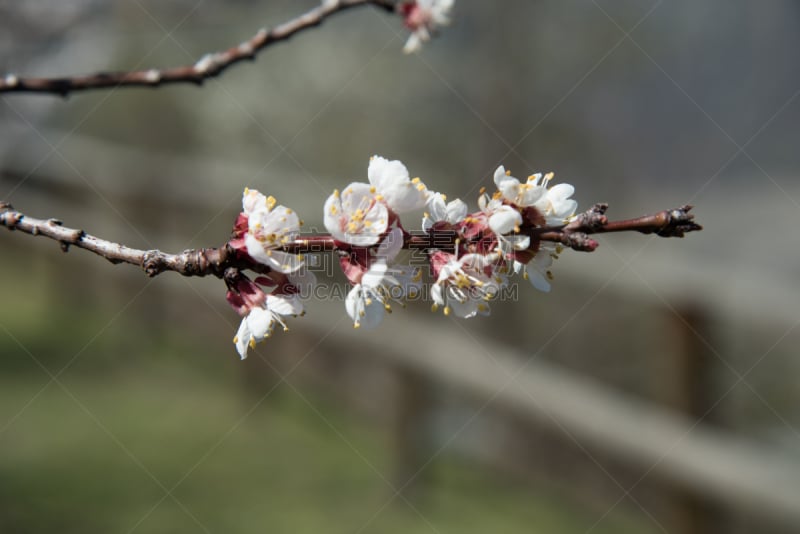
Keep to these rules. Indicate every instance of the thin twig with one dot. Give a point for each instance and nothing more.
(206, 67)
(214, 261)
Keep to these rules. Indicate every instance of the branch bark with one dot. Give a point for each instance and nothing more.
(215, 261)
(208, 66)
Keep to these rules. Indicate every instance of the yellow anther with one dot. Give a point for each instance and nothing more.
(271, 202)
(447, 310)
(356, 325)
(246, 190)
(434, 307)
(368, 302)
(288, 211)
(482, 307)
(333, 210)
(549, 176)
(336, 193)
(300, 257)
(285, 328)
(415, 180)
(482, 190)
(372, 189)
(426, 215)
(252, 343)
(236, 338)
(444, 197)
(379, 197)
(420, 187)
(508, 173)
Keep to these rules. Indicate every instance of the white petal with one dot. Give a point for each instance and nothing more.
(391, 180)
(281, 220)
(529, 194)
(259, 321)
(537, 277)
(252, 200)
(284, 304)
(505, 220)
(333, 216)
(383, 173)
(500, 176)
(436, 294)
(275, 259)
(414, 44)
(242, 339)
(456, 211)
(465, 310)
(374, 275)
(436, 207)
(365, 310)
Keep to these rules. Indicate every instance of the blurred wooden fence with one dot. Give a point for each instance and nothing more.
(733, 471)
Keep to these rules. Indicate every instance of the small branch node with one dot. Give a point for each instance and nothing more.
(579, 241)
(153, 262)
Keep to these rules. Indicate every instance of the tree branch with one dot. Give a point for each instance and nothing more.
(214, 261)
(208, 66)
(667, 223)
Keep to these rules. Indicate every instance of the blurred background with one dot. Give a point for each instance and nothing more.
(655, 389)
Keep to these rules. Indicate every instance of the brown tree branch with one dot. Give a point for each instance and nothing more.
(214, 261)
(208, 66)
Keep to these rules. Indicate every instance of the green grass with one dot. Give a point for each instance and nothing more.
(144, 409)
(94, 460)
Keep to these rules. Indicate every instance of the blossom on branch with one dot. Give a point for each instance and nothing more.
(375, 289)
(356, 216)
(464, 286)
(263, 229)
(261, 311)
(442, 215)
(519, 229)
(423, 17)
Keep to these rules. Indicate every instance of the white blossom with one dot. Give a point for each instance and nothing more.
(423, 17)
(394, 186)
(553, 203)
(270, 227)
(259, 323)
(453, 212)
(357, 216)
(370, 299)
(537, 270)
(465, 285)
(504, 221)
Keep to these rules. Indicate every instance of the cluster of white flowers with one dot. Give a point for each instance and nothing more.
(470, 256)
